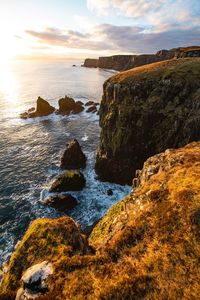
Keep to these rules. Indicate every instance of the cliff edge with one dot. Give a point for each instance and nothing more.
(145, 111)
(146, 247)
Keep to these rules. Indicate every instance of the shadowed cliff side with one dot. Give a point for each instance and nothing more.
(146, 246)
(145, 111)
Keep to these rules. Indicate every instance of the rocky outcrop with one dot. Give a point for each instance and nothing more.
(126, 62)
(34, 281)
(73, 157)
(43, 108)
(68, 181)
(91, 63)
(146, 246)
(68, 106)
(49, 240)
(145, 111)
(61, 202)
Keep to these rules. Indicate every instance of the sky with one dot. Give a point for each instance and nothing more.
(92, 28)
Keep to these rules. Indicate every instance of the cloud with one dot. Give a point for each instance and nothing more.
(120, 39)
(153, 12)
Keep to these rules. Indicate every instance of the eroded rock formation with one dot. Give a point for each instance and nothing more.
(145, 111)
(73, 157)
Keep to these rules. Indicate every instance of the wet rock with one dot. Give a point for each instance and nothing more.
(109, 192)
(92, 109)
(43, 108)
(79, 102)
(89, 103)
(73, 157)
(62, 202)
(68, 181)
(68, 106)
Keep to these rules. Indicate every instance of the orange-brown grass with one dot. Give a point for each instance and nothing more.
(148, 245)
(168, 69)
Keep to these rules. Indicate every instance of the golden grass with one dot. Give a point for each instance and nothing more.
(146, 247)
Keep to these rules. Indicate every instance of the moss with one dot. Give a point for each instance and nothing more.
(147, 246)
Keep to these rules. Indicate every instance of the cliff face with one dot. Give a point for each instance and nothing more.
(91, 63)
(145, 111)
(146, 246)
(126, 62)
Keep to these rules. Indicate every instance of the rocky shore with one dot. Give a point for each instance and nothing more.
(126, 62)
(145, 247)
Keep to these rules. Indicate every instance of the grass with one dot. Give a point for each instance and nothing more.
(146, 247)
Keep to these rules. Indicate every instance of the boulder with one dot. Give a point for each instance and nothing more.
(73, 157)
(89, 103)
(92, 109)
(144, 111)
(68, 181)
(79, 103)
(68, 106)
(61, 202)
(109, 192)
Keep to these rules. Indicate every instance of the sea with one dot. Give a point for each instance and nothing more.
(30, 150)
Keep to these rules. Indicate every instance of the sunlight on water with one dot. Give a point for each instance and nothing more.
(8, 84)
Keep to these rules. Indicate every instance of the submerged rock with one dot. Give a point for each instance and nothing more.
(68, 106)
(145, 111)
(73, 157)
(62, 202)
(68, 181)
(43, 108)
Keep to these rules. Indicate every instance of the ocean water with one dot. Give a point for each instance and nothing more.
(30, 150)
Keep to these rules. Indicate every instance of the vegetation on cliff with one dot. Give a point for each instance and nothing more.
(143, 112)
(146, 247)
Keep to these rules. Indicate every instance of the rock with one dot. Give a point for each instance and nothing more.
(80, 103)
(109, 192)
(89, 103)
(68, 181)
(43, 109)
(144, 111)
(92, 109)
(35, 277)
(73, 157)
(32, 109)
(68, 106)
(150, 238)
(91, 63)
(73, 65)
(61, 202)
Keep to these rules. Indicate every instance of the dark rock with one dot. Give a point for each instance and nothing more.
(73, 157)
(68, 181)
(68, 106)
(61, 202)
(24, 115)
(91, 63)
(109, 192)
(92, 109)
(79, 103)
(144, 112)
(32, 109)
(89, 103)
(73, 65)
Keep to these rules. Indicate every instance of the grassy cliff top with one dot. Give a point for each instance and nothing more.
(146, 247)
(185, 68)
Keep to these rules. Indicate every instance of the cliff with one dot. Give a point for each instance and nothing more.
(146, 247)
(126, 62)
(145, 111)
(91, 63)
